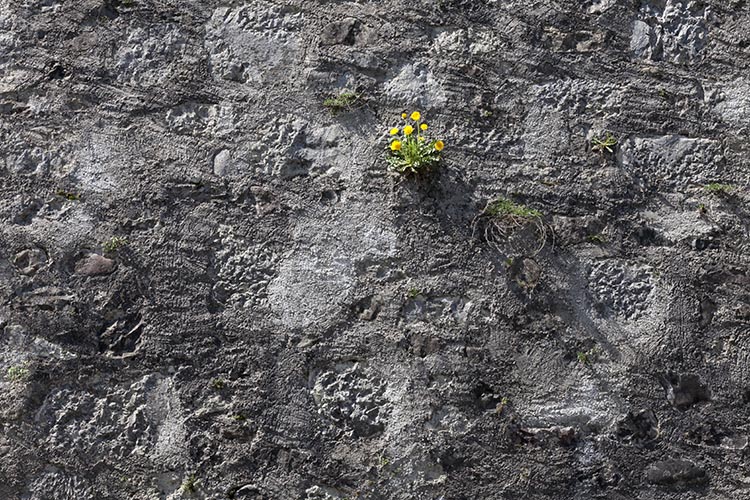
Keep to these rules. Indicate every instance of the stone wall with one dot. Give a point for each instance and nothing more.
(212, 287)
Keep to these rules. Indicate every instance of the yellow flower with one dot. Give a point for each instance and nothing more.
(403, 115)
(393, 131)
(439, 145)
(416, 116)
(423, 126)
(408, 130)
(396, 146)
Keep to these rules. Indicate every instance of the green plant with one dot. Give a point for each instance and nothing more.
(525, 475)
(718, 189)
(413, 293)
(113, 244)
(17, 373)
(588, 357)
(412, 152)
(602, 144)
(583, 357)
(501, 405)
(68, 195)
(341, 102)
(596, 239)
(190, 484)
(702, 209)
(239, 417)
(218, 384)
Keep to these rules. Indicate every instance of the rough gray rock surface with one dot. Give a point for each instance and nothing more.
(283, 319)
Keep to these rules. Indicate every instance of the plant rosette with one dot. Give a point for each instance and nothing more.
(410, 151)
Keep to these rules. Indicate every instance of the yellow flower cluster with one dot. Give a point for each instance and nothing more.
(411, 151)
(408, 130)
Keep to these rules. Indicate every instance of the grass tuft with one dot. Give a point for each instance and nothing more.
(342, 102)
(113, 244)
(190, 484)
(502, 207)
(17, 373)
(719, 189)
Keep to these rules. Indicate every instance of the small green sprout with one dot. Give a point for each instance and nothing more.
(190, 484)
(413, 293)
(218, 384)
(525, 475)
(68, 195)
(596, 239)
(702, 210)
(501, 405)
(17, 373)
(718, 189)
(113, 244)
(604, 144)
(238, 417)
(342, 102)
(583, 358)
(588, 357)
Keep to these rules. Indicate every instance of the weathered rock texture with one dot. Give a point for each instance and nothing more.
(283, 319)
